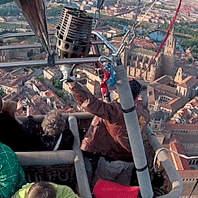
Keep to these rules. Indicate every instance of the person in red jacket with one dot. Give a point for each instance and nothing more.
(107, 135)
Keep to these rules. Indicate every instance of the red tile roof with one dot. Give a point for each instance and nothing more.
(189, 127)
(189, 174)
(189, 178)
(179, 162)
(49, 93)
(188, 82)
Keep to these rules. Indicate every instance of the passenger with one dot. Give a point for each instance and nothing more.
(10, 107)
(56, 136)
(45, 190)
(32, 131)
(107, 135)
(12, 176)
(12, 133)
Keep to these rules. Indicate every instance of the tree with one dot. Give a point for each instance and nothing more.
(41, 78)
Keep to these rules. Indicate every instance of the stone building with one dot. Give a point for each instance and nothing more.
(14, 55)
(157, 122)
(11, 82)
(163, 90)
(137, 61)
(187, 87)
(169, 56)
(50, 73)
(188, 114)
(182, 139)
(171, 95)
(93, 81)
(187, 136)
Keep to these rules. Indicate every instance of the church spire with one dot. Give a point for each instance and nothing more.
(179, 76)
(170, 44)
(169, 55)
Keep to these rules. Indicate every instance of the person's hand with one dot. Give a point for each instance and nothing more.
(69, 79)
(19, 104)
(67, 76)
(28, 111)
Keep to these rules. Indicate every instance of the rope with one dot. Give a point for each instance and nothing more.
(180, 155)
(167, 35)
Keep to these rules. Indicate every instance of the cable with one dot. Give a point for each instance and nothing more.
(100, 4)
(167, 35)
(97, 12)
(123, 44)
(180, 155)
(138, 10)
(139, 22)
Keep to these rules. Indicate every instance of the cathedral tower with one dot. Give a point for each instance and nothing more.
(169, 56)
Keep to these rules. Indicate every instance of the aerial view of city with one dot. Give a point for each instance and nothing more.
(47, 46)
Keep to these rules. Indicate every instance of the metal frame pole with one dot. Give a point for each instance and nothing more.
(134, 132)
(173, 175)
(131, 121)
(43, 63)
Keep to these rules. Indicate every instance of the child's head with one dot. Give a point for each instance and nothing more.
(53, 123)
(42, 190)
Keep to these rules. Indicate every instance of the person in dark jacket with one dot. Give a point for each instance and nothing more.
(107, 136)
(56, 136)
(12, 133)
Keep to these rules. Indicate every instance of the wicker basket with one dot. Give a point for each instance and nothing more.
(63, 174)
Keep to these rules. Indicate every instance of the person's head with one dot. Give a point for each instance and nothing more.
(9, 107)
(53, 123)
(135, 88)
(41, 190)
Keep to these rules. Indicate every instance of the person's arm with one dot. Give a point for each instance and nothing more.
(8, 179)
(143, 118)
(92, 104)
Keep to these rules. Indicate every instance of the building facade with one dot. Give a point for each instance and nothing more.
(138, 64)
(138, 61)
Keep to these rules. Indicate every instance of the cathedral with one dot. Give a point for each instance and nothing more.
(137, 61)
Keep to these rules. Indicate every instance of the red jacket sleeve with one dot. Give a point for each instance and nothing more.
(90, 103)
